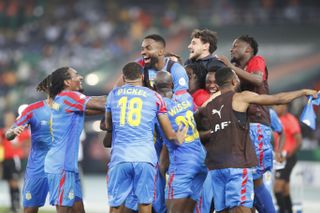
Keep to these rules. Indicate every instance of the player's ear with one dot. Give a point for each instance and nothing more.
(123, 78)
(161, 52)
(206, 46)
(249, 49)
(234, 81)
(67, 83)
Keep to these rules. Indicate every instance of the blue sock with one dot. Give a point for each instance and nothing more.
(263, 200)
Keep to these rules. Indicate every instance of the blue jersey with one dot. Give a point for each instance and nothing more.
(276, 125)
(158, 138)
(191, 152)
(67, 120)
(37, 115)
(179, 75)
(134, 110)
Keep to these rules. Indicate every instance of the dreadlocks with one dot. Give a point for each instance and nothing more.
(57, 81)
(44, 85)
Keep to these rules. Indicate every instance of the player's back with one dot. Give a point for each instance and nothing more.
(37, 115)
(134, 110)
(180, 111)
(67, 123)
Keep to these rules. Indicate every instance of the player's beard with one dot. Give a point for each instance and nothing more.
(194, 57)
(153, 61)
(234, 60)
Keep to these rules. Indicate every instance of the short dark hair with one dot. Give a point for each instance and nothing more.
(163, 81)
(206, 36)
(224, 76)
(251, 41)
(200, 71)
(57, 81)
(157, 38)
(132, 71)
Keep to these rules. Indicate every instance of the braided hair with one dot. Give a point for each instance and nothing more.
(200, 71)
(57, 81)
(44, 85)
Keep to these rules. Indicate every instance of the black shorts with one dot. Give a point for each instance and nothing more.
(11, 169)
(284, 174)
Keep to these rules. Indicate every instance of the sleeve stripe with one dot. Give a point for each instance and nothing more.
(77, 106)
(32, 107)
(19, 123)
(161, 104)
(73, 96)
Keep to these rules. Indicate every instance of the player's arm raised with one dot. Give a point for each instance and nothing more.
(242, 100)
(96, 105)
(255, 78)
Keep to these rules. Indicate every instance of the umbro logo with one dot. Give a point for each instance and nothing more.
(214, 111)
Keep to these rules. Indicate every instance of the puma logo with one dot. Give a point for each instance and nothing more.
(214, 111)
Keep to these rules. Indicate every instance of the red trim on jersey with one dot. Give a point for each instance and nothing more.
(77, 106)
(170, 191)
(155, 183)
(74, 95)
(243, 185)
(28, 117)
(61, 192)
(180, 92)
(161, 104)
(32, 107)
(260, 145)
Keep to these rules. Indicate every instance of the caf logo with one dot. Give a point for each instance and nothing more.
(28, 196)
(71, 195)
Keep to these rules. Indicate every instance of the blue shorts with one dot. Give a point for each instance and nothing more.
(35, 190)
(126, 178)
(159, 202)
(64, 188)
(132, 202)
(186, 184)
(204, 203)
(261, 138)
(232, 187)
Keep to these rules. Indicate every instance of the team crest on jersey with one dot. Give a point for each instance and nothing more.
(55, 106)
(182, 81)
(71, 195)
(28, 196)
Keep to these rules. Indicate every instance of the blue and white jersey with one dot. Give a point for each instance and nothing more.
(37, 115)
(134, 110)
(67, 119)
(191, 151)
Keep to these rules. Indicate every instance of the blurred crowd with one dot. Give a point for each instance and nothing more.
(37, 36)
